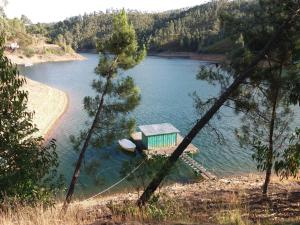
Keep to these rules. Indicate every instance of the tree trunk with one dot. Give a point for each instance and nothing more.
(209, 114)
(271, 148)
(267, 180)
(83, 150)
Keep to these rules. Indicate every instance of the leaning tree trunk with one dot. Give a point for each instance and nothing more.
(83, 150)
(210, 113)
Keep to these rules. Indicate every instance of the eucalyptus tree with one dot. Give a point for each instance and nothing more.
(116, 96)
(265, 100)
(285, 24)
(290, 163)
(27, 166)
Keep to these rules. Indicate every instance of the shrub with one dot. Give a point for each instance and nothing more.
(29, 52)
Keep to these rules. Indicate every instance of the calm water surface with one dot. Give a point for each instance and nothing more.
(166, 86)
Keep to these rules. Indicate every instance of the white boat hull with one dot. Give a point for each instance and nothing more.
(127, 145)
(28, 64)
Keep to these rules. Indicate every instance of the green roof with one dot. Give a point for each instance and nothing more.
(156, 129)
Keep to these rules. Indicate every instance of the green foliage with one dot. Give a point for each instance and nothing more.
(61, 42)
(191, 29)
(266, 98)
(289, 163)
(160, 208)
(141, 177)
(25, 20)
(38, 29)
(116, 96)
(233, 217)
(28, 52)
(27, 167)
(14, 30)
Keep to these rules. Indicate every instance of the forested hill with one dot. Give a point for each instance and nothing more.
(195, 29)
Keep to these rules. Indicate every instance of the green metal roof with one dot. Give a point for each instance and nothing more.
(156, 129)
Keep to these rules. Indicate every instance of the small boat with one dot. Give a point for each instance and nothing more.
(127, 145)
(28, 64)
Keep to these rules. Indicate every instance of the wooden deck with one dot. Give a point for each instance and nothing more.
(137, 139)
(197, 167)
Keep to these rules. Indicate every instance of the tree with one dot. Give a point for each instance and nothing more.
(145, 172)
(3, 4)
(288, 24)
(116, 96)
(27, 167)
(25, 20)
(264, 98)
(289, 164)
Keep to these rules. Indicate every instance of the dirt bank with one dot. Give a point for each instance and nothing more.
(40, 51)
(191, 55)
(212, 201)
(20, 59)
(48, 103)
(229, 201)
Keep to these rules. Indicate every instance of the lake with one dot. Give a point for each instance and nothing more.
(166, 87)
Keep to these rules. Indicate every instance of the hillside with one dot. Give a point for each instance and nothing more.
(196, 29)
(230, 200)
(24, 47)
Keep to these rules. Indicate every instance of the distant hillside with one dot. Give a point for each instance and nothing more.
(28, 44)
(196, 29)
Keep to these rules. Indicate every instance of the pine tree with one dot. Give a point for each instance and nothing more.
(265, 98)
(289, 24)
(116, 95)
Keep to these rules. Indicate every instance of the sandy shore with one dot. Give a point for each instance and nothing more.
(48, 103)
(20, 59)
(191, 55)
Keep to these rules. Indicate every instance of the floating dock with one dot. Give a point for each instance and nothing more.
(166, 151)
(193, 164)
(163, 139)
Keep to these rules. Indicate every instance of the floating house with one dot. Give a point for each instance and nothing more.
(159, 135)
(163, 139)
(159, 139)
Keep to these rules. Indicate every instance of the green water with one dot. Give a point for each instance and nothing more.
(166, 86)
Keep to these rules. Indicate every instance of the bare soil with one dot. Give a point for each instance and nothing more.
(206, 202)
(47, 103)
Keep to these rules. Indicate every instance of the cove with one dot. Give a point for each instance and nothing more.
(166, 88)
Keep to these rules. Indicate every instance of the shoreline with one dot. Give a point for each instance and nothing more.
(214, 58)
(48, 104)
(191, 55)
(58, 118)
(20, 59)
(242, 191)
(245, 177)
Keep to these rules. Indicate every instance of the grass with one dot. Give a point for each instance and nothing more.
(233, 217)
(160, 209)
(38, 215)
(29, 52)
(208, 202)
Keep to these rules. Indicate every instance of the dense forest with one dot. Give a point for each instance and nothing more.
(196, 29)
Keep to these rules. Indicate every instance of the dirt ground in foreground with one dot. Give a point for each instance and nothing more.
(208, 201)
